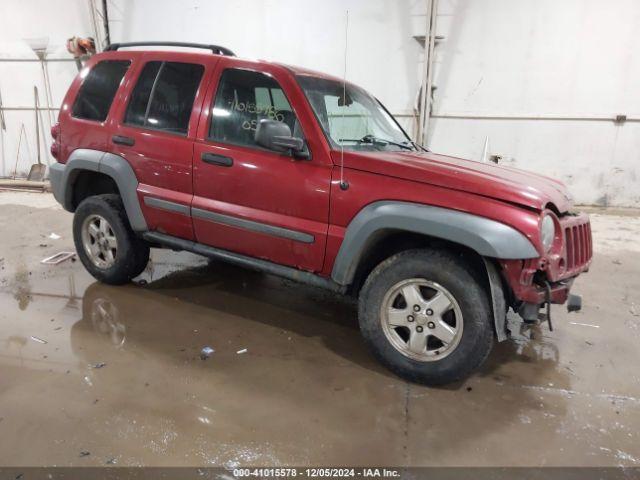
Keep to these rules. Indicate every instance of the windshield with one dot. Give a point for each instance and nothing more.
(353, 118)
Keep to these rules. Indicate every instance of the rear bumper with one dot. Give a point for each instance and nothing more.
(56, 177)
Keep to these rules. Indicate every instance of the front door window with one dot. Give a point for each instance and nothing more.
(242, 100)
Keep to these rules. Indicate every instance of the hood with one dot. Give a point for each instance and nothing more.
(487, 179)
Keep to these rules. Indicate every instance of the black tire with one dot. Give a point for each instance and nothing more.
(132, 254)
(447, 270)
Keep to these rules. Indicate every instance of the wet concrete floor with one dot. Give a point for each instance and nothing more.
(120, 374)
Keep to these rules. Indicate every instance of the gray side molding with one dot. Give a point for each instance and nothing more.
(112, 165)
(167, 206)
(253, 226)
(486, 237)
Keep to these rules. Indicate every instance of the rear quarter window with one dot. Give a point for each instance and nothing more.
(99, 89)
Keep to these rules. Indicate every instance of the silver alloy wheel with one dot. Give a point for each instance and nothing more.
(99, 241)
(421, 319)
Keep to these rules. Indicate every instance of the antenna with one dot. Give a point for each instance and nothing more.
(344, 185)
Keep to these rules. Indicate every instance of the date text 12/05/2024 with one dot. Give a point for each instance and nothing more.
(317, 472)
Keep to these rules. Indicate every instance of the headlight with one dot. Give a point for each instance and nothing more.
(547, 232)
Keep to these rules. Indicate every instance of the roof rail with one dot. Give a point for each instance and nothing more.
(214, 48)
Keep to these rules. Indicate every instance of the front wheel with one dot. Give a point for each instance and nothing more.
(105, 243)
(426, 316)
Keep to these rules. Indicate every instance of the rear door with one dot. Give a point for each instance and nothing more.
(155, 132)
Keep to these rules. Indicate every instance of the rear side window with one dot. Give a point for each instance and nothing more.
(99, 89)
(242, 100)
(163, 97)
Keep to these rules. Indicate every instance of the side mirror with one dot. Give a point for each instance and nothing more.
(276, 136)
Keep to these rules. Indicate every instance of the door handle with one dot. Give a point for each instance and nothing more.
(121, 140)
(215, 159)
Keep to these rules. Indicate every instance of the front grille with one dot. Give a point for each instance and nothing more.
(578, 245)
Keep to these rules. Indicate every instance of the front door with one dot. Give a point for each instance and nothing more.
(248, 199)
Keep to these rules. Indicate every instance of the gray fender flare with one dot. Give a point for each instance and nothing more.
(488, 238)
(116, 167)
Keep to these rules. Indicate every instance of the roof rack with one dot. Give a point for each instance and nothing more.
(214, 48)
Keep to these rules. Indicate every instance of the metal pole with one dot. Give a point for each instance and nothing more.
(44, 137)
(48, 94)
(534, 116)
(48, 101)
(3, 125)
(429, 46)
(3, 128)
(15, 169)
(27, 109)
(425, 74)
(35, 94)
(105, 19)
(94, 24)
(11, 60)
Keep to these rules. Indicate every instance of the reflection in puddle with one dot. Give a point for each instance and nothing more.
(186, 309)
(72, 302)
(104, 318)
(130, 375)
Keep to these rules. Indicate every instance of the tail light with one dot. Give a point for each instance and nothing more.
(55, 145)
(55, 131)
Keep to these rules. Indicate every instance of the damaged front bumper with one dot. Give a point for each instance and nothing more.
(530, 312)
(549, 278)
(536, 283)
(509, 308)
(539, 311)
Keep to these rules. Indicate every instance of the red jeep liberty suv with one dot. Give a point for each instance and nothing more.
(299, 174)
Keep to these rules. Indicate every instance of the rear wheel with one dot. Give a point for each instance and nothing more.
(426, 316)
(106, 245)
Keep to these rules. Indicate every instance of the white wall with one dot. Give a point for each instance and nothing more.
(505, 58)
(54, 22)
(382, 55)
(529, 58)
